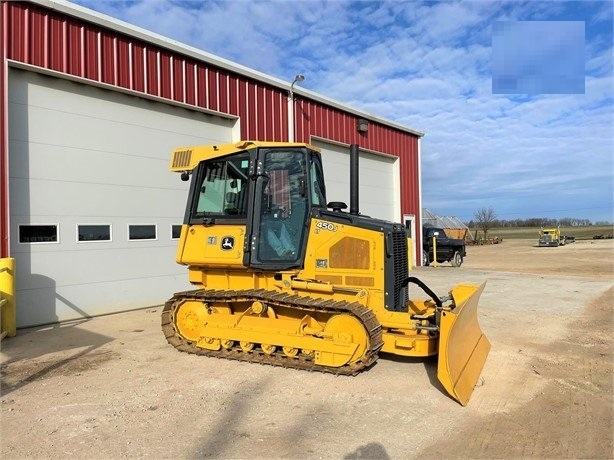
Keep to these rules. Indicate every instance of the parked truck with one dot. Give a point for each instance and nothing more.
(550, 237)
(448, 249)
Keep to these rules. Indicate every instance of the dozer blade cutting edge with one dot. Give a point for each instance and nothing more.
(463, 347)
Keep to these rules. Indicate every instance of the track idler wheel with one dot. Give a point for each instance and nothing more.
(350, 339)
(189, 320)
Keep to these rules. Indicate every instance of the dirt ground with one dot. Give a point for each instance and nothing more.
(111, 387)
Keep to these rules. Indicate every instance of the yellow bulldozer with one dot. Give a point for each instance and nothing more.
(286, 278)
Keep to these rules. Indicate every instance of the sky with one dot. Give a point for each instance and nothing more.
(516, 97)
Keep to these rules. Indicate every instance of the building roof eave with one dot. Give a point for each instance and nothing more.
(123, 27)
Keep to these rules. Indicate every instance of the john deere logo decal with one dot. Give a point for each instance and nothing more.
(228, 242)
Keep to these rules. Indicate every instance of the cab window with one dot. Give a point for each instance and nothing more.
(318, 193)
(222, 187)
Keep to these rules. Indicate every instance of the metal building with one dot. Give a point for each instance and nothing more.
(91, 109)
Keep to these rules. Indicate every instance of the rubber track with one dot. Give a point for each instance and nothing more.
(274, 299)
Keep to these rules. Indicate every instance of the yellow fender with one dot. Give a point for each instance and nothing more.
(463, 347)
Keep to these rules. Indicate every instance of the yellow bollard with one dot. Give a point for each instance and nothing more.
(434, 251)
(410, 253)
(8, 317)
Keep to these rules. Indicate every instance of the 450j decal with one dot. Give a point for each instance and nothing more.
(326, 226)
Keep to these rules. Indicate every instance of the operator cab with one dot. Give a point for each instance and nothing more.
(269, 190)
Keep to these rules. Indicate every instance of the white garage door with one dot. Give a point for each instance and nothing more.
(92, 203)
(379, 192)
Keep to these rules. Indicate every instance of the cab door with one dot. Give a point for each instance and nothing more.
(281, 208)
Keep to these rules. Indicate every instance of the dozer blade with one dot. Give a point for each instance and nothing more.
(463, 347)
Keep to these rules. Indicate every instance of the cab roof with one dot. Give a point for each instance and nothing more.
(187, 158)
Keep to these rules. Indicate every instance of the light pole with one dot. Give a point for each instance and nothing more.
(297, 79)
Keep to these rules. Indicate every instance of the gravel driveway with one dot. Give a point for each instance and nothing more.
(111, 387)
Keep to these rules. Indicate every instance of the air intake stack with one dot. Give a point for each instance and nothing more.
(354, 185)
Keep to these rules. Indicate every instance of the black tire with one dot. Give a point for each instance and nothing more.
(457, 259)
(425, 259)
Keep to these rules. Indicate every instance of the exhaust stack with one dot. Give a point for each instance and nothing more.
(354, 179)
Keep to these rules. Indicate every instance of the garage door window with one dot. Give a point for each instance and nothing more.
(97, 232)
(175, 232)
(141, 232)
(38, 233)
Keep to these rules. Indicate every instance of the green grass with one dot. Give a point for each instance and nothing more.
(581, 233)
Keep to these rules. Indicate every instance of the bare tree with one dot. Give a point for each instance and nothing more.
(485, 219)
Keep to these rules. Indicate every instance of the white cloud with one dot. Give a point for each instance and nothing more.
(428, 65)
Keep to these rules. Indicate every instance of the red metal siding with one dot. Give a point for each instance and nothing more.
(123, 64)
(212, 90)
(242, 108)
(107, 61)
(223, 92)
(280, 116)
(17, 31)
(36, 38)
(178, 80)
(233, 95)
(262, 110)
(90, 51)
(138, 68)
(165, 75)
(74, 50)
(252, 112)
(268, 119)
(153, 80)
(57, 44)
(302, 117)
(190, 84)
(201, 86)
(35, 35)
